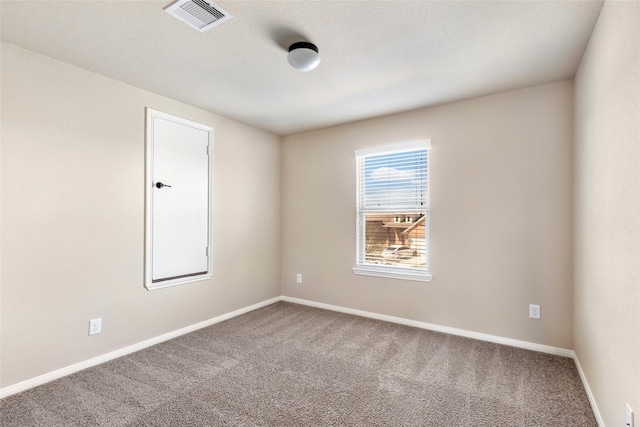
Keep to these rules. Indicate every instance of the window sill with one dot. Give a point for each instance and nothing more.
(393, 273)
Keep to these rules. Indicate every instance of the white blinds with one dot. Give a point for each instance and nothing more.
(388, 182)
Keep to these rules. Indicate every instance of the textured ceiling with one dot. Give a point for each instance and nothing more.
(378, 57)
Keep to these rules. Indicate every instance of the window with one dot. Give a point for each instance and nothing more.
(393, 212)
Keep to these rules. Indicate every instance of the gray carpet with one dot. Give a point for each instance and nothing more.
(291, 365)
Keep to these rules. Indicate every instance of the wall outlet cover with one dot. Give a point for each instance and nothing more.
(534, 311)
(95, 326)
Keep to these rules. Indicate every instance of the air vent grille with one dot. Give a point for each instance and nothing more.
(198, 14)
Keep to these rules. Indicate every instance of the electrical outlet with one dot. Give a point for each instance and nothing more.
(95, 326)
(534, 311)
(298, 278)
(629, 416)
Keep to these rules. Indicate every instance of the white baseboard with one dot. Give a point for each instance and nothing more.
(592, 400)
(433, 327)
(45, 378)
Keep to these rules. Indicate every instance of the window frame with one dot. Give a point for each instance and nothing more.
(390, 271)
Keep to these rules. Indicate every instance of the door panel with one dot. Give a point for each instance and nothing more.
(178, 183)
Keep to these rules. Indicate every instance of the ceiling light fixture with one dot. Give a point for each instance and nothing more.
(303, 56)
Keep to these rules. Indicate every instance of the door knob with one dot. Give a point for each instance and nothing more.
(160, 185)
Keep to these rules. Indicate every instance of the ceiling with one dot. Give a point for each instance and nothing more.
(378, 57)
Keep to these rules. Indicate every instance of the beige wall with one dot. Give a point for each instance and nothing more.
(607, 211)
(501, 172)
(73, 218)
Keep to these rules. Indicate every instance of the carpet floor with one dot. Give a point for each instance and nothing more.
(292, 365)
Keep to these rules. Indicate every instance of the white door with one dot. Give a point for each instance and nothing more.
(178, 200)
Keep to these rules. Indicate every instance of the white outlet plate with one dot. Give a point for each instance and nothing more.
(95, 326)
(534, 311)
(629, 416)
(298, 278)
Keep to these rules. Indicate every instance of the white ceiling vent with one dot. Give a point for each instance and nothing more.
(199, 14)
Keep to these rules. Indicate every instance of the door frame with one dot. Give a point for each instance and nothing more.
(148, 245)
